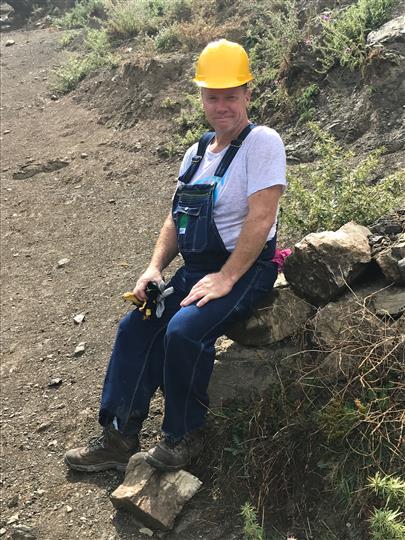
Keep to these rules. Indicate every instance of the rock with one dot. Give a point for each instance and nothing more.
(391, 35)
(13, 502)
(62, 263)
(80, 349)
(322, 264)
(280, 281)
(13, 519)
(68, 509)
(389, 301)
(43, 427)
(389, 260)
(3, 531)
(154, 497)
(78, 319)
(83, 155)
(10, 42)
(54, 383)
(23, 532)
(240, 372)
(146, 531)
(281, 315)
(6, 131)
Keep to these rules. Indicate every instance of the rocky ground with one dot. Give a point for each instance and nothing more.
(72, 189)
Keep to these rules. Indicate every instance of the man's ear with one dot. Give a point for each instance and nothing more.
(248, 95)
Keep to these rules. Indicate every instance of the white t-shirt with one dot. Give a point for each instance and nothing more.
(259, 163)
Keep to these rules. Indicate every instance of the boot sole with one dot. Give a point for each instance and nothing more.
(96, 468)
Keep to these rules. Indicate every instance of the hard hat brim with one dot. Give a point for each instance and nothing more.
(217, 85)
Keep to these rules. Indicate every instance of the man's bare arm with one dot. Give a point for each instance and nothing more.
(259, 220)
(165, 251)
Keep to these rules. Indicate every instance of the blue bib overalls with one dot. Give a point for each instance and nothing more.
(176, 352)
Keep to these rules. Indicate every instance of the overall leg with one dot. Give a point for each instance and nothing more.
(134, 372)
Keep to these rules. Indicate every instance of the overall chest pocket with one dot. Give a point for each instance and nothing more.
(192, 212)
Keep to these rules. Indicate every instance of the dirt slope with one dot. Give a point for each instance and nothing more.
(71, 188)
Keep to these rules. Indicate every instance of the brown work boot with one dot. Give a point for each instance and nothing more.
(111, 450)
(171, 455)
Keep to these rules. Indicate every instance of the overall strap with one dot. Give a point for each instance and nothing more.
(231, 152)
(195, 162)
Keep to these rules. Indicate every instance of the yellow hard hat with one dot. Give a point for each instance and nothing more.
(222, 64)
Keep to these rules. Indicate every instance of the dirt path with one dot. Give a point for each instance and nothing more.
(71, 188)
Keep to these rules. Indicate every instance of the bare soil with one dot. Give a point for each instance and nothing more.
(71, 188)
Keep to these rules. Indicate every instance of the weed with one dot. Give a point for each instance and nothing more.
(389, 488)
(305, 102)
(99, 54)
(80, 14)
(344, 37)
(333, 191)
(68, 37)
(251, 528)
(384, 525)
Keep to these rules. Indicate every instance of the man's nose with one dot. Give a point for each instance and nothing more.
(221, 105)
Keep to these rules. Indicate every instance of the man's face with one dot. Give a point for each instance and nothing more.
(226, 108)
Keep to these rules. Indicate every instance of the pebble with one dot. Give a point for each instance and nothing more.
(14, 518)
(68, 509)
(146, 531)
(63, 262)
(80, 349)
(13, 502)
(10, 42)
(23, 532)
(78, 319)
(83, 155)
(44, 426)
(6, 131)
(3, 531)
(55, 382)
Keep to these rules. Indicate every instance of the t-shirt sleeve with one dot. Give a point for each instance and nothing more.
(266, 162)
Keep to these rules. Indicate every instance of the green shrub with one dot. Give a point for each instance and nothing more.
(168, 38)
(68, 37)
(389, 488)
(98, 54)
(384, 525)
(79, 16)
(130, 18)
(333, 191)
(344, 37)
(251, 528)
(305, 102)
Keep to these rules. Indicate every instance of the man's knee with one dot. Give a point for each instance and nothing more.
(183, 326)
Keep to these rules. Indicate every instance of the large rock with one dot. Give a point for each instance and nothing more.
(356, 316)
(390, 260)
(389, 302)
(279, 316)
(154, 497)
(243, 373)
(323, 264)
(391, 35)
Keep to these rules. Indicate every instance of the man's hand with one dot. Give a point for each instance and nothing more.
(209, 287)
(150, 274)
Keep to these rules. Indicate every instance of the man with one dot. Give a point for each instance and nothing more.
(223, 222)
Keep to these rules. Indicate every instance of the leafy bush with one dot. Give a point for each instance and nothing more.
(384, 525)
(318, 433)
(305, 102)
(251, 528)
(80, 14)
(128, 18)
(333, 191)
(343, 40)
(77, 67)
